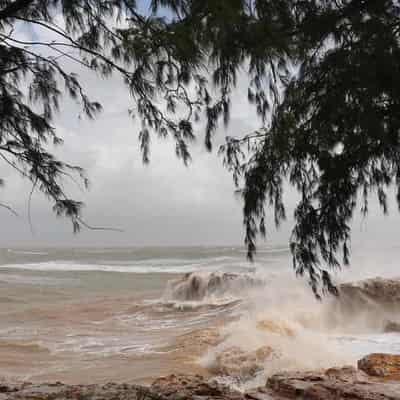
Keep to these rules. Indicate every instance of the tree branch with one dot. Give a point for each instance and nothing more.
(13, 8)
(12, 211)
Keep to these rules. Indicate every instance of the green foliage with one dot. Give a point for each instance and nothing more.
(335, 135)
(323, 78)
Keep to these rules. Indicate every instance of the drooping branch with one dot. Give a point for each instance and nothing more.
(14, 8)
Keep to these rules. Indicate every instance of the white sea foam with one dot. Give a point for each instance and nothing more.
(72, 266)
(167, 266)
(27, 252)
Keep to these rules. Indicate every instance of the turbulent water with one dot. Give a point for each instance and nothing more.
(134, 314)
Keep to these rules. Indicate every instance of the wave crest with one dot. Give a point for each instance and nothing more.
(199, 286)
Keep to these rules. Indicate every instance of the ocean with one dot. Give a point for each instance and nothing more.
(81, 315)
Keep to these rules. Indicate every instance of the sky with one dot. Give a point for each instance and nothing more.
(163, 203)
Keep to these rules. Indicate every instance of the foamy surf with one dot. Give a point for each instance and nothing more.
(140, 267)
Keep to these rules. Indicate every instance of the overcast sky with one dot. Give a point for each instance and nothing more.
(164, 203)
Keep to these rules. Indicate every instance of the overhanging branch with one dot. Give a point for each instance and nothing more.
(14, 7)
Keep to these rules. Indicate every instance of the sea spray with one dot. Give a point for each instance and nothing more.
(294, 331)
(282, 316)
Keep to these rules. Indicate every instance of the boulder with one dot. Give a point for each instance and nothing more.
(381, 365)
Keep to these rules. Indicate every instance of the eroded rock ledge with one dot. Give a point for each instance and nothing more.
(336, 383)
(378, 378)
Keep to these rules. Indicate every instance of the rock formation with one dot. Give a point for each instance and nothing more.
(377, 378)
(240, 365)
(381, 365)
(193, 387)
(373, 381)
(277, 327)
(59, 391)
(332, 384)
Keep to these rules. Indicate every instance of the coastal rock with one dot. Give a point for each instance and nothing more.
(381, 365)
(59, 391)
(197, 286)
(275, 327)
(193, 387)
(236, 363)
(332, 384)
(195, 343)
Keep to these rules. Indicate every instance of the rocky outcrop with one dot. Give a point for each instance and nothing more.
(332, 384)
(197, 286)
(376, 383)
(241, 365)
(193, 387)
(381, 365)
(196, 343)
(277, 327)
(59, 391)
(377, 378)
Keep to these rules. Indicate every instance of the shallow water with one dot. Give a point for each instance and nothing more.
(104, 314)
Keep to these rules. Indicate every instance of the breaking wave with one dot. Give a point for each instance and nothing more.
(147, 266)
(203, 286)
(281, 326)
(137, 267)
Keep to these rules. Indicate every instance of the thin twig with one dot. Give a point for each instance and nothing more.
(29, 207)
(12, 211)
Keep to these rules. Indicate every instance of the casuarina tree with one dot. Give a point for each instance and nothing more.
(322, 75)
